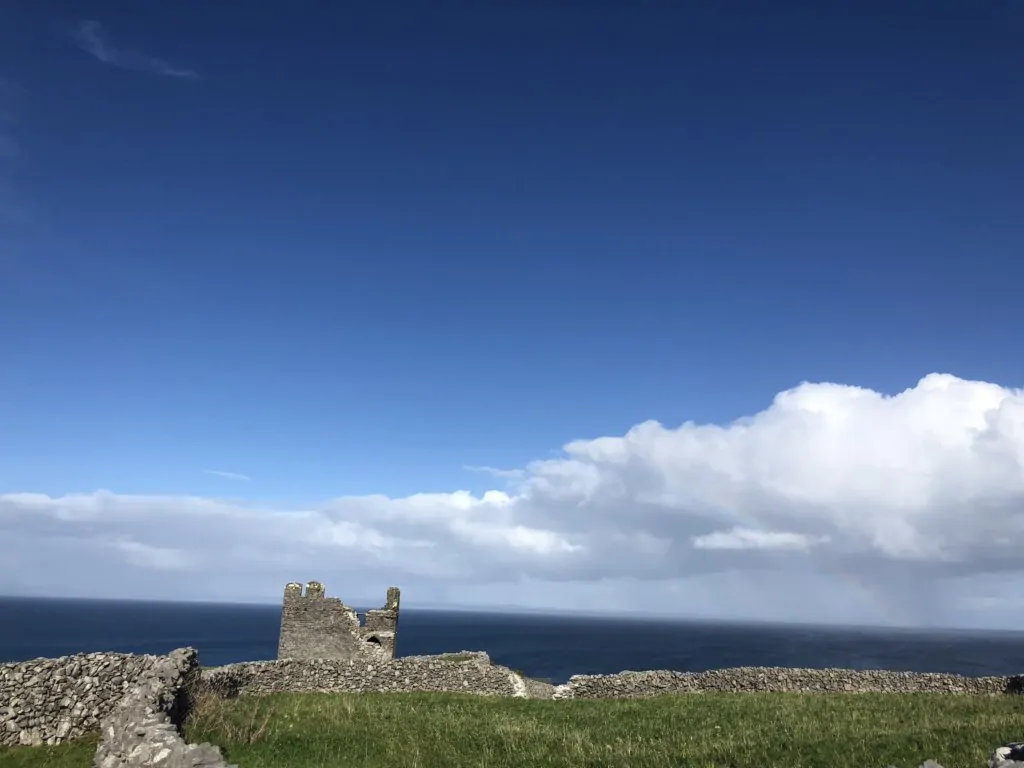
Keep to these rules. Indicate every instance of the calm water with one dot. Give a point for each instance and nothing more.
(549, 647)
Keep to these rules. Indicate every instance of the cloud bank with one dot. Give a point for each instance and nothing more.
(90, 37)
(834, 503)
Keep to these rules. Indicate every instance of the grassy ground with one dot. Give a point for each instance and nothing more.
(413, 730)
(76, 754)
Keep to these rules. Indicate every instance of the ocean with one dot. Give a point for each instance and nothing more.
(541, 646)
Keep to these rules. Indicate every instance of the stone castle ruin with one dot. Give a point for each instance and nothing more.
(317, 627)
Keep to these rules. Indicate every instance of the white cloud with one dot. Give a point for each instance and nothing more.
(146, 556)
(833, 503)
(90, 38)
(745, 538)
(505, 474)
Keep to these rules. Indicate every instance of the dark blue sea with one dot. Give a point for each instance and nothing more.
(542, 646)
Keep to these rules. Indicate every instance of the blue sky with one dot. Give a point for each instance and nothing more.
(351, 249)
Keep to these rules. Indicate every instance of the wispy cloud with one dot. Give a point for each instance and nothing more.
(90, 38)
(505, 474)
(228, 475)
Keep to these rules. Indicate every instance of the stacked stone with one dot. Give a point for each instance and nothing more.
(46, 701)
(424, 673)
(778, 679)
(143, 730)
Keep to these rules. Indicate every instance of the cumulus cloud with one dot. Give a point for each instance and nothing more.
(835, 503)
(90, 37)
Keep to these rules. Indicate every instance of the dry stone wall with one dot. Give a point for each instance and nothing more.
(137, 703)
(778, 679)
(447, 673)
(143, 729)
(475, 673)
(45, 701)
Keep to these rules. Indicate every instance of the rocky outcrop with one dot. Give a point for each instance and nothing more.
(46, 701)
(776, 679)
(143, 730)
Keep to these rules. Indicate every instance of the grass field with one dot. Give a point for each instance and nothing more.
(449, 731)
(77, 754)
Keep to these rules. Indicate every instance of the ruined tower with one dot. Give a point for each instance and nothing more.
(314, 626)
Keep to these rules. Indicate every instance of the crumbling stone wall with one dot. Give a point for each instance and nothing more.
(317, 627)
(451, 673)
(45, 701)
(136, 702)
(474, 673)
(778, 679)
(143, 729)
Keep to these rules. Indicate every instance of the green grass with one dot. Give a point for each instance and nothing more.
(791, 730)
(74, 754)
(727, 730)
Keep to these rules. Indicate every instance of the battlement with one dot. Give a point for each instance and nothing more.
(314, 626)
(314, 590)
